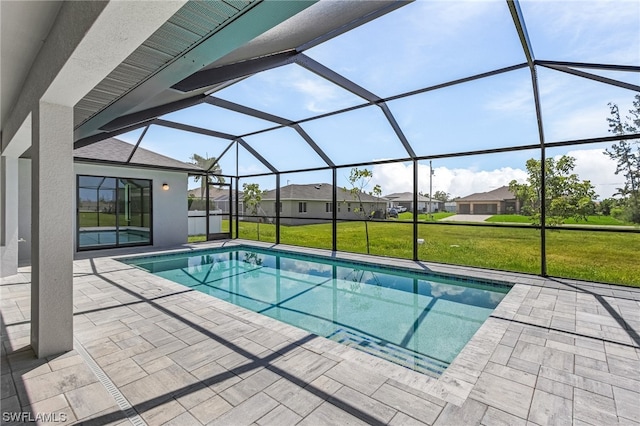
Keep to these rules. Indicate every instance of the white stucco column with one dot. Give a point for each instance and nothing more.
(52, 232)
(8, 216)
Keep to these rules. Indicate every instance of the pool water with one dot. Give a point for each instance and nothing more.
(417, 320)
(98, 238)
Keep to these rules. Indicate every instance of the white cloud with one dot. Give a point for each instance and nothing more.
(578, 124)
(320, 96)
(583, 29)
(439, 21)
(518, 99)
(591, 164)
(439, 290)
(575, 108)
(249, 169)
(398, 177)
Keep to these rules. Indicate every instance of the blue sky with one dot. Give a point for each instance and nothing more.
(422, 44)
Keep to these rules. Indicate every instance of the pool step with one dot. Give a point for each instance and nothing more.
(393, 353)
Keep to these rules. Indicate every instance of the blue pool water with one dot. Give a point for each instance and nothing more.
(99, 238)
(418, 320)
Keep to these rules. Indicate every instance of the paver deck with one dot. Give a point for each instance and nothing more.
(148, 350)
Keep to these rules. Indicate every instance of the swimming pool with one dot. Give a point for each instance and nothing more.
(418, 320)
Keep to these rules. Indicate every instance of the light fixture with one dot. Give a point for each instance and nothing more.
(165, 186)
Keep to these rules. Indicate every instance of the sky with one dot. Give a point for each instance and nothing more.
(420, 45)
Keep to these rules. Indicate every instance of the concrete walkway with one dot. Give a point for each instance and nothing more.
(466, 218)
(149, 351)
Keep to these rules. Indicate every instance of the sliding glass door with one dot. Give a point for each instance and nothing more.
(113, 212)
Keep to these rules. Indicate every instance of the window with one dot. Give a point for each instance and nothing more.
(328, 207)
(278, 206)
(113, 212)
(348, 207)
(302, 207)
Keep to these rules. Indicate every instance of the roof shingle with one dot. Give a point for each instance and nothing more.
(317, 192)
(116, 150)
(498, 194)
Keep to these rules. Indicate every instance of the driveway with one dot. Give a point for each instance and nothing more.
(466, 218)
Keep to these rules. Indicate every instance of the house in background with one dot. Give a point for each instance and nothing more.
(122, 198)
(405, 199)
(312, 203)
(449, 207)
(498, 201)
(221, 206)
(220, 198)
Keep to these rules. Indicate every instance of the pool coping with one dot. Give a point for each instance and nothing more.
(457, 381)
(553, 352)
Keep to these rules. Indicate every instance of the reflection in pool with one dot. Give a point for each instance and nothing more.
(414, 319)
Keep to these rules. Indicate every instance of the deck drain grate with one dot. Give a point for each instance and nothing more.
(122, 402)
(390, 352)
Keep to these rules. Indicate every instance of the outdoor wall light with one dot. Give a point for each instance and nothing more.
(165, 186)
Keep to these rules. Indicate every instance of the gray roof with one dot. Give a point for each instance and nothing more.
(407, 197)
(115, 150)
(219, 194)
(498, 194)
(316, 192)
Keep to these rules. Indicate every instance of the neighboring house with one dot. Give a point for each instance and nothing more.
(119, 201)
(220, 198)
(405, 199)
(498, 201)
(311, 203)
(450, 206)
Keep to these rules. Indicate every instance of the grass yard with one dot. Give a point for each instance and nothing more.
(596, 256)
(423, 217)
(509, 218)
(593, 256)
(591, 220)
(92, 219)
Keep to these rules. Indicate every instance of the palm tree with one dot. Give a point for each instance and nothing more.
(210, 164)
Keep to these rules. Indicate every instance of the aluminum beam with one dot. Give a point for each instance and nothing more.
(257, 155)
(135, 148)
(604, 67)
(594, 77)
(397, 129)
(151, 113)
(329, 74)
(193, 129)
(458, 81)
(212, 76)
(102, 136)
(232, 106)
(521, 28)
(313, 145)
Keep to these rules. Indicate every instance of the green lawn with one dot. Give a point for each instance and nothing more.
(591, 220)
(433, 217)
(509, 218)
(90, 219)
(593, 256)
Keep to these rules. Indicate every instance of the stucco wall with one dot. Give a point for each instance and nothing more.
(316, 211)
(170, 224)
(24, 209)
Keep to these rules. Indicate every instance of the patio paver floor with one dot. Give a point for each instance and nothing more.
(553, 352)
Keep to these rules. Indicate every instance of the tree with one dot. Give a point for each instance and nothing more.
(441, 196)
(606, 206)
(359, 180)
(565, 194)
(214, 171)
(627, 155)
(252, 196)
